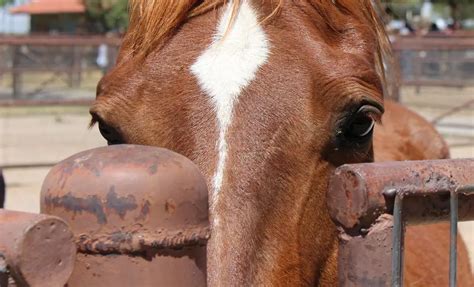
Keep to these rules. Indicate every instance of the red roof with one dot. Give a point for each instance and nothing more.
(50, 7)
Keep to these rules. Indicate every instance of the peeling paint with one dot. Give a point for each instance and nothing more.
(121, 205)
(91, 204)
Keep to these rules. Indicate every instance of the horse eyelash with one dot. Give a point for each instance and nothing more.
(93, 122)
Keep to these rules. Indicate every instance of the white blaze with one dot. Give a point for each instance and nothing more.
(228, 66)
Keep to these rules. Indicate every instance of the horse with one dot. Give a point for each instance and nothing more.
(267, 98)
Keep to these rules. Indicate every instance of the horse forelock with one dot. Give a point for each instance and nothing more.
(152, 22)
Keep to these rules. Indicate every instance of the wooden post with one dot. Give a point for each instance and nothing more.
(17, 82)
(417, 69)
(75, 71)
(112, 51)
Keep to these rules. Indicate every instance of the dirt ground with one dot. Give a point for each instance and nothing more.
(48, 135)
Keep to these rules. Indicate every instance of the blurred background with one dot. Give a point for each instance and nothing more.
(53, 53)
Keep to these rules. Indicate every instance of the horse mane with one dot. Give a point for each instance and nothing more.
(152, 22)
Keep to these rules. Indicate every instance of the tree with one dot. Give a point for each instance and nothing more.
(107, 15)
(5, 2)
(459, 9)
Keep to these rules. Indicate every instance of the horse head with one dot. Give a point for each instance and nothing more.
(267, 98)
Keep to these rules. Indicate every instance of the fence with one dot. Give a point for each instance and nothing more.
(443, 66)
(35, 62)
(32, 66)
(438, 60)
(374, 202)
(107, 197)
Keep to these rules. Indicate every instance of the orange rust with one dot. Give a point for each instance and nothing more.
(170, 206)
(37, 249)
(357, 193)
(141, 241)
(135, 210)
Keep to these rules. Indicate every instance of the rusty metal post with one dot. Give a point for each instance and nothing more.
(37, 250)
(365, 201)
(453, 240)
(139, 215)
(398, 237)
(357, 195)
(360, 264)
(467, 190)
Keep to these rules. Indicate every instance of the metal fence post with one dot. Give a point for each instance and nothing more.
(137, 211)
(367, 200)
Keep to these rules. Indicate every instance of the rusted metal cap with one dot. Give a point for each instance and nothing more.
(145, 204)
(359, 193)
(37, 249)
(126, 198)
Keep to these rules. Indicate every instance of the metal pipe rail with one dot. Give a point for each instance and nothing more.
(48, 40)
(35, 250)
(373, 202)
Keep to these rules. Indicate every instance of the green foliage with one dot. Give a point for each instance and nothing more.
(5, 2)
(107, 15)
(421, 1)
(464, 10)
(403, 1)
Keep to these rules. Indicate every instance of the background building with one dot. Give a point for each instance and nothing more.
(54, 16)
(14, 24)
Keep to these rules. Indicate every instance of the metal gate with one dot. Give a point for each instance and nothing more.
(372, 203)
(143, 212)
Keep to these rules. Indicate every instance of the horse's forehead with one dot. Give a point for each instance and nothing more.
(223, 61)
(232, 60)
(228, 66)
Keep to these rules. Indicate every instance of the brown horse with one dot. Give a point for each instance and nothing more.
(267, 98)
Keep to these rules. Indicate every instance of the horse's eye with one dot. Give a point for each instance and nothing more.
(110, 134)
(361, 125)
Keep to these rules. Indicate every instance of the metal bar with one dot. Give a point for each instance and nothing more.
(455, 126)
(355, 249)
(356, 196)
(27, 165)
(467, 189)
(414, 192)
(429, 43)
(453, 110)
(43, 85)
(32, 245)
(453, 202)
(140, 242)
(453, 242)
(54, 102)
(397, 243)
(60, 40)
